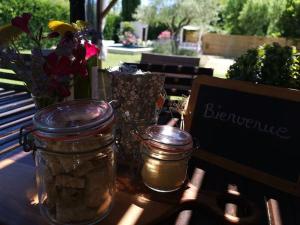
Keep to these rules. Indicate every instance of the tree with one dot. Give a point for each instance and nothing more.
(176, 14)
(253, 17)
(290, 20)
(41, 16)
(128, 8)
(112, 27)
(231, 15)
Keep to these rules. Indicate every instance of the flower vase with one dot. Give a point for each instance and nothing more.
(44, 101)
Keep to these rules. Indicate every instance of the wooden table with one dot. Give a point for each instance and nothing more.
(18, 199)
(136, 205)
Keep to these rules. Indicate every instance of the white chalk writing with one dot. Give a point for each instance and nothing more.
(212, 112)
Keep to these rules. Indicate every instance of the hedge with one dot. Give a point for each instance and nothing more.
(42, 11)
(112, 27)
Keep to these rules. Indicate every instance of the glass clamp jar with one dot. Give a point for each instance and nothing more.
(166, 151)
(75, 161)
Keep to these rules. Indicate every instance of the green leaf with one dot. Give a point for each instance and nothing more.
(82, 85)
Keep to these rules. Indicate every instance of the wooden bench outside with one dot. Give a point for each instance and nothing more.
(180, 71)
(179, 79)
(151, 58)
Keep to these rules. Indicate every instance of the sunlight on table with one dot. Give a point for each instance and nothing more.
(191, 193)
(6, 162)
(131, 216)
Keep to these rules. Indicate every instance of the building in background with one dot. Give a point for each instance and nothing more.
(190, 38)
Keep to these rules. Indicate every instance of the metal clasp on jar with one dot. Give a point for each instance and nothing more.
(26, 139)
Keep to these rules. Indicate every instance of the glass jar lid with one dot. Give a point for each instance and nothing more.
(168, 138)
(73, 117)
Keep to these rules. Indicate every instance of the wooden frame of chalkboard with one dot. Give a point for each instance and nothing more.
(262, 146)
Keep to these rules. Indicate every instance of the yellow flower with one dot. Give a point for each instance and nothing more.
(8, 32)
(60, 27)
(80, 24)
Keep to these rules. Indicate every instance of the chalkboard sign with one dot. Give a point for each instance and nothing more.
(250, 129)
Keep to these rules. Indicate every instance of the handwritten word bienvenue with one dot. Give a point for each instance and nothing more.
(212, 112)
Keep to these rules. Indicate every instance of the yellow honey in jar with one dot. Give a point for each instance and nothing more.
(166, 152)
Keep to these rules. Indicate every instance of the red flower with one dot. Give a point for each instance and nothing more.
(22, 22)
(91, 50)
(59, 88)
(80, 67)
(57, 66)
(79, 52)
(165, 35)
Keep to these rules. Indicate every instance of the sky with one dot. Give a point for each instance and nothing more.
(145, 2)
(119, 3)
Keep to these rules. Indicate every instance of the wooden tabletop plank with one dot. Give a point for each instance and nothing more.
(15, 104)
(8, 136)
(15, 122)
(14, 126)
(13, 133)
(18, 94)
(16, 116)
(17, 110)
(5, 93)
(9, 147)
(17, 191)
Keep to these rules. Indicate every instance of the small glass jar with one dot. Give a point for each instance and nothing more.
(75, 161)
(166, 151)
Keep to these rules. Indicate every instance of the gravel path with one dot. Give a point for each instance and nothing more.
(218, 63)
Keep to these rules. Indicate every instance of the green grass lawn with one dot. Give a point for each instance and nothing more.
(111, 61)
(220, 74)
(115, 59)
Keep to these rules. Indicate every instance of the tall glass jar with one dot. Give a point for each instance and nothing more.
(75, 162)
(166, 151)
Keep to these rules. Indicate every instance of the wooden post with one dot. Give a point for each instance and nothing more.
(77, 10)
(95, 13)
(103, 13)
